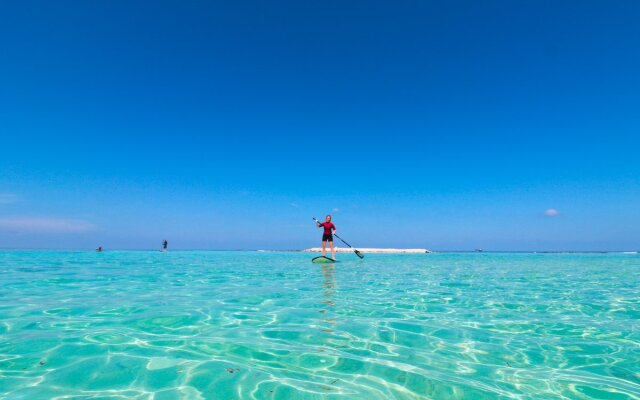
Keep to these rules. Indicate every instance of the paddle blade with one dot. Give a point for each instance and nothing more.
(358, 253)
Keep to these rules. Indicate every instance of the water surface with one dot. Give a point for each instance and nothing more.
(249, 325)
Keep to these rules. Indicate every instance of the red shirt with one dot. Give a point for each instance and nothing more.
(328, 226)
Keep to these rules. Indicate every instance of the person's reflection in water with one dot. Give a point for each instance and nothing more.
(329, 286)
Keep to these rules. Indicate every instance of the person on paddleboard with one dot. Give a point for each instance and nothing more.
(327, 235)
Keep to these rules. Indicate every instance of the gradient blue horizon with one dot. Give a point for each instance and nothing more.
(225, 125)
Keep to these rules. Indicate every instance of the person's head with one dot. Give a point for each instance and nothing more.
(328, 218)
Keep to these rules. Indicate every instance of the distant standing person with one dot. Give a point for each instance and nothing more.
(327, 236)
(164, 245)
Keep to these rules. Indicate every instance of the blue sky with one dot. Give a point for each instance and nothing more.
(227, 125)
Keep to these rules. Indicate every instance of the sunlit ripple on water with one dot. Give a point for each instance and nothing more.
(247, 325)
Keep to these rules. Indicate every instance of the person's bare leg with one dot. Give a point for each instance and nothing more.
(324, 247)
(333, 252)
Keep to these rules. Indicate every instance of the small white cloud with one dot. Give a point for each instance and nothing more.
(552, 212)
(336, 210)
(294, 205)
(8, 198)
(45, 225)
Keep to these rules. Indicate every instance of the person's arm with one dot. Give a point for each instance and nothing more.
(334, 229)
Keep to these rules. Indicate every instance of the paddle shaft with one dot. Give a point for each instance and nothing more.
(343, 241)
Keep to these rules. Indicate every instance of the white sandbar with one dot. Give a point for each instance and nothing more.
(368, 250)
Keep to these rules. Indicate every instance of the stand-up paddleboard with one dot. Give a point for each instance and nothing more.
(324, 260)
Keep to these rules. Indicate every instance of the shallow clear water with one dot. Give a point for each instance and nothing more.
(248, 325)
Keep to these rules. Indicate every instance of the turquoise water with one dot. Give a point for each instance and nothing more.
(249, 325)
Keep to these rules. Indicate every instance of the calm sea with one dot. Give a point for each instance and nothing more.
(250, 325)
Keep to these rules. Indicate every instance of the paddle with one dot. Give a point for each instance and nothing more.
(354, 250)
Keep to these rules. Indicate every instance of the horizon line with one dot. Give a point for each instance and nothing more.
(304, 250)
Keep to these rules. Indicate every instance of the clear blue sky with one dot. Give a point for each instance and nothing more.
(225, 125)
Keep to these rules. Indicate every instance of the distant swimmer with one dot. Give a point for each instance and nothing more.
(99, 249)
(164, 245)
(327, 235)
